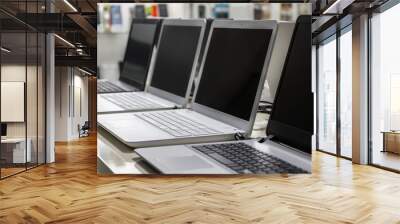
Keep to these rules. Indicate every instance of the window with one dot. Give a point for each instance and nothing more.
(346, 93)
(22, 78)
(327, 97)
(335, 94)
(385, 89)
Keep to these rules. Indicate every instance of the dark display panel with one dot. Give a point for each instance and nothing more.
(291, 120)
(175, 58)
(138, 53)
(232, 70)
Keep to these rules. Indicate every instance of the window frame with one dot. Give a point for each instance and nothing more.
(334, 37)
(379, 10)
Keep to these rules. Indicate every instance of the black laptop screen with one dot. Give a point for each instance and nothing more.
(3, 129)
(138, 53)
(175, 58)
(232, 70)
(291, 120)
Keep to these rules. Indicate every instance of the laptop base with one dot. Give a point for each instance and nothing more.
(106, 86)
(170, 160)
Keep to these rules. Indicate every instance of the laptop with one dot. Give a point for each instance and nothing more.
(142, 37)
(279, 52)
(172, 74)
(225, 100)
(287, 147)
(3, 131)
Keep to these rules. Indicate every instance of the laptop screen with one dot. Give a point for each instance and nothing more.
(232, 70)
(291, 120)
(138, 52)
(3, 129)
(175, 58)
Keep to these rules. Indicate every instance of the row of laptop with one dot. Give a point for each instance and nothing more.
(227, 62)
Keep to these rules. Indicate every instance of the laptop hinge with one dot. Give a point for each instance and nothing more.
(269, 137)
(239, 136)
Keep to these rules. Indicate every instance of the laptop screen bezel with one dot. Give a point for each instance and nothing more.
(156, 22)
(179, 100)
(241, 124)
(277, 130)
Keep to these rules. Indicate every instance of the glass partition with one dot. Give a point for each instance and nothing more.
(23, 90)
(15, 149)
(35, 88)
(334, 105)
(32, 97)
(346, 93)
(41, 97)
(385, 89)
(327, 96)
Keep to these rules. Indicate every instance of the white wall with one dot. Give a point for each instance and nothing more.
(118, 40)
(34, 125)
(114, 43)
(80, 110)
(82, 82)
(50, 96)
(12, 73)
(61, 103)
(70, 84)
(314, 90)
(111, 48)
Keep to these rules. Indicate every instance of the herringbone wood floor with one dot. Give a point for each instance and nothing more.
(70, 191)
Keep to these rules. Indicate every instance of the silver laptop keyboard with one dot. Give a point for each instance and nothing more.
(131, 101)
(176, 124)
(244, 159)
(108, 87)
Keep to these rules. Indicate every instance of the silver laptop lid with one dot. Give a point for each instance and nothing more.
(279, 51)
(139, 49)
(176, 59)
(233, 71)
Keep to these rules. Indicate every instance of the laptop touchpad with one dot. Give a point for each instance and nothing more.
(186, 162)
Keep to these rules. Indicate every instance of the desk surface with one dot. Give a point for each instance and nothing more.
(121, 159)
(118, 158)
(391, 132)
(13, 140)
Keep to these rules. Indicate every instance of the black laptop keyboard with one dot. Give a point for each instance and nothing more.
(108, 87)
(243, 159)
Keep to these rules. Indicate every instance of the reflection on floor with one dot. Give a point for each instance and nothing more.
(11, 169)
(70, 191)
(386, 159)
(346, 152)
(260, 124)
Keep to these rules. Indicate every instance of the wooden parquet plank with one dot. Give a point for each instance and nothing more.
(70, 191)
